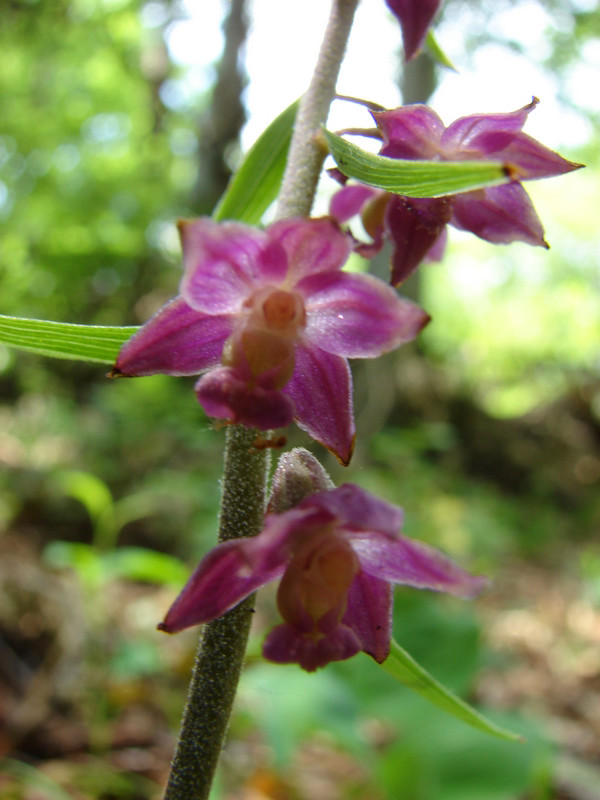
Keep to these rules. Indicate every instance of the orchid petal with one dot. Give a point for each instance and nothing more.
(225, 395)
(412, 132)
(415, 18)
(529, 159)
(357, 316)
(349, 200)
(321, 390)
(414, 226)
(404, 561)
(223, 578)
(484, 134)
(286, 645)
(224, 262)
(358, 510)
(177, 340)
(502, 214)
(234, 569)
(311, 245)
(369, 614)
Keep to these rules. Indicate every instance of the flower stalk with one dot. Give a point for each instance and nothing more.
(223, 644)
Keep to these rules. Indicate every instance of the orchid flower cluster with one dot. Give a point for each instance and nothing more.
(269, 318)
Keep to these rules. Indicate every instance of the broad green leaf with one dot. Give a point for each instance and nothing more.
(64, 340)
(414, 178)
(256, 183)
(402, 666)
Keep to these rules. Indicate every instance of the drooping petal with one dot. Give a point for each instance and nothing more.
(348, 201)
(321, 390)
(311, 245)
(359, 510)
(224, 262)
(414, 226)
(482, 135)
(415, 17)
(404, 561)
(369, 614)
(223, 394)
(286, 645)
(412, 132)
(357, 316)
(177, 340)
(501, 214)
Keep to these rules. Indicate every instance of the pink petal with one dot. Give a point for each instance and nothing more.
(502, 214)
(412, 132)
(359, 510)
(438, 248)
(321, 390)
(223, 578)
(484, 134)
(348, 201)
(357, 316)
(415, 17)
(224, 395)
(369, 614)
(234, 569)
(404, 561)
(224, 262)
(529, 159)
(176, 341)
(311, 245)
(285, 645)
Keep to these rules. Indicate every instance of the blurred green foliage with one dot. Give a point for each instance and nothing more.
(92, 167)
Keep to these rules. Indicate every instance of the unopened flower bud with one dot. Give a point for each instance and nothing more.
(297, 476)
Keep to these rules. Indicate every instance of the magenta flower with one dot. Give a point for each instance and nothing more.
(270, 319)
(337, 555)
(415, 17)
(416, 226)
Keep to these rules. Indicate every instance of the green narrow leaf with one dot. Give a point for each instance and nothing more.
(64, 340)
(402, 666)
(255, 185)
(436, 51)
(414, 178)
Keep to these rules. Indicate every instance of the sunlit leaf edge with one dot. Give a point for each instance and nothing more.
(414, 178)
(403, 667)
(97, 343)
(255, 184)
(436, 51)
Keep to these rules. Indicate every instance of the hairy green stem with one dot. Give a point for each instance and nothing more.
(223, 643)
(222, 646)
(306, 157)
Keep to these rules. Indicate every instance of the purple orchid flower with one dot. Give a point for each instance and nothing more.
(337, 555)
(417, 226)
(270, 319)
(415, 17)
